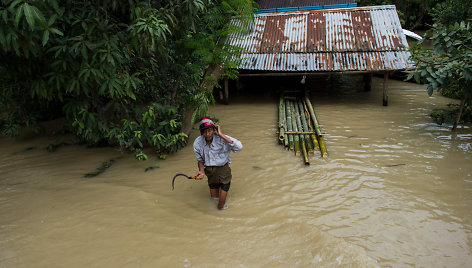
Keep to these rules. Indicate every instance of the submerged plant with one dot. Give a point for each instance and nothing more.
(105, 165)
(448, 115)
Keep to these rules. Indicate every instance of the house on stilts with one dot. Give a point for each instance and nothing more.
(310, 37)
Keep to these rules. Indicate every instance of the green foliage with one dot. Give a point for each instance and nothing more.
(120, 71)
(447, 67)
(413, 14)
(452, 11)
(450, 89)
(449, 62)
(157, 127)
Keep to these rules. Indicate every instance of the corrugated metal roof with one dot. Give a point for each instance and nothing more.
(352, 39)
(324, 61)
(286, 9)
(265, 4)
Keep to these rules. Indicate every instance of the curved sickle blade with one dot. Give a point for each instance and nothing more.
(176, 175)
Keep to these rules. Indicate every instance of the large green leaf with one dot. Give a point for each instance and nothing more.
(29, 15)
(45, 37)
(19, 14)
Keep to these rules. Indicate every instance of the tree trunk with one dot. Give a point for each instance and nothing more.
(461, 108)
(385, 90)
(211, 76)
(174, 90)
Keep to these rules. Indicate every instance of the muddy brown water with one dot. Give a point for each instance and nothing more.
(396, 190)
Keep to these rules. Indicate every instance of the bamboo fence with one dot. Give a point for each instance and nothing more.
(298, 126)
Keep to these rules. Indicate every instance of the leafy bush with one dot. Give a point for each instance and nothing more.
(447, 67)
(451, 11)
(413, 14)
(120, 72)
(157, 127)
(448, 115)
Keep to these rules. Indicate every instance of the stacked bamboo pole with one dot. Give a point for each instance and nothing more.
(282, 121)
(288, 126)
(317, 127)
(296, 138)
(298, 126)
(309, 143)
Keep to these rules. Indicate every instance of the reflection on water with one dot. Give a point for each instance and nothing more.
(396, 190)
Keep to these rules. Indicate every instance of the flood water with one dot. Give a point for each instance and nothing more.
(396, 190)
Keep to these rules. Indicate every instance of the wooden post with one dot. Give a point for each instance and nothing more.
(226, 92)
(385, 90)
(368, 81)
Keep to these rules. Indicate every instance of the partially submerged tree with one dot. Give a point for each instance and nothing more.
(124, 72)
(449, 63)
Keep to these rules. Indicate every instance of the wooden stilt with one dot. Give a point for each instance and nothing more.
(385, 90)
(226, 92)
(220, 94)
(368, 81)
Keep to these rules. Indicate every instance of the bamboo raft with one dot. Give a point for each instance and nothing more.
(299, 129)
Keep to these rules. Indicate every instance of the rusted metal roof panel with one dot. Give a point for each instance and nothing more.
(250, 42)
(324, 61)
(360, 39)
(266, 4)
